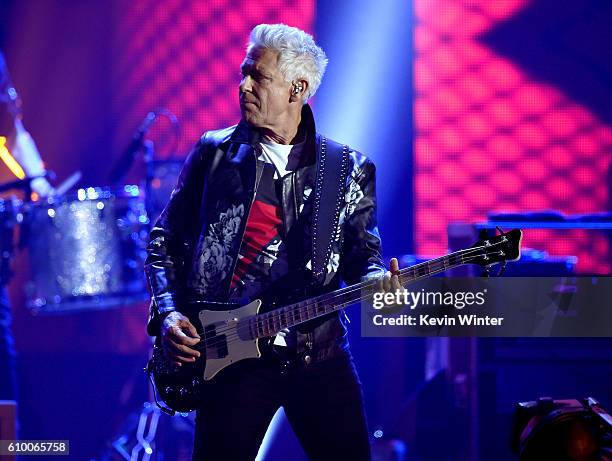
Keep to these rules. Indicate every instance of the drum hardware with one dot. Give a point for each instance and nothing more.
(154, 177)
(10, 216)
(138, 143)
(68, 183)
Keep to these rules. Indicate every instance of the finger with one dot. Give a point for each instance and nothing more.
(178, 335)
(176, 358)
(182, 349)
(397, 286)
(395, 283)
(394, 266)
(387, 282)
(380, 284)
(190, 328)
(178, 361)
(394, 270)
(182, 359)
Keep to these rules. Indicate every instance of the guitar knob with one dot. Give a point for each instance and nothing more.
(195, 382)
(168, 390)
(183, 391)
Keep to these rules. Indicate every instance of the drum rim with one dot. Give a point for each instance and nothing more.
(97, 193)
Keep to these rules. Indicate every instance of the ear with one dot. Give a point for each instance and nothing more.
(298, 90)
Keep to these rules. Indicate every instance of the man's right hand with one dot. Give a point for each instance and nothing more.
(178, 338)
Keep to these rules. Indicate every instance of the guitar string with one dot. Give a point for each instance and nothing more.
(234, 333)
(351, 289)
(231, 338)
(310, 309)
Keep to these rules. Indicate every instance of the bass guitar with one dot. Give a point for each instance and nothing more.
(230, 336)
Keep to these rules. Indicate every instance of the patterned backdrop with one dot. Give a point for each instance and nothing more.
(491, 137)
(185, 55)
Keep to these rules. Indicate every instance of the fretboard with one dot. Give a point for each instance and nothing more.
(270, 323)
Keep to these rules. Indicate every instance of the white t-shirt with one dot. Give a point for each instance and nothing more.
(284, 157)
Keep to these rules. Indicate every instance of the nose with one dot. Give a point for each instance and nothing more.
(245, 84)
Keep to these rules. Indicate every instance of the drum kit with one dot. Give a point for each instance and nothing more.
(86, 249)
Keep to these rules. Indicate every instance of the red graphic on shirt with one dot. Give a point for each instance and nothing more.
(261, 229)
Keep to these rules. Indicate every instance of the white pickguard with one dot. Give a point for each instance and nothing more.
(238, 346)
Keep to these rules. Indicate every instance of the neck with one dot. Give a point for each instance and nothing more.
(285, 133)
(270, 323)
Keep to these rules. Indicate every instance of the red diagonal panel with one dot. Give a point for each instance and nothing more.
(490, 139)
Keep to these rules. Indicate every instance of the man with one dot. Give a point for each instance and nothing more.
(244, 223)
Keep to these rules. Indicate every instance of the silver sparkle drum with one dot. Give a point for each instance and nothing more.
(87, 250)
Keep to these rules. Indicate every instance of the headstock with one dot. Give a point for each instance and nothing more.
(497, 249)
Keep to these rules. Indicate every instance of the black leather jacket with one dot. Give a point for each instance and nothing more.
(195, 242)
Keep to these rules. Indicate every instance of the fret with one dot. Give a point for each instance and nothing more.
(275, 321)
(260, 329)
(295, 315)
(270, 323)
(264, 324)
(304, 314)
(311, 311)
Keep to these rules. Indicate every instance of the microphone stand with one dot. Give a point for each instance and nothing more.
(149, 157)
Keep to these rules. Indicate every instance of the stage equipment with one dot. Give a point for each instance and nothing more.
(562, 430)
(165, 174)
(8, 220)
(86, 250)
(8, 419)
(146, 436)
(138, 144)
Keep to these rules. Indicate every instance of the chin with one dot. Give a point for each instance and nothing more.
(251, 118)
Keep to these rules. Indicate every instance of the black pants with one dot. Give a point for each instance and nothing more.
(323, 403)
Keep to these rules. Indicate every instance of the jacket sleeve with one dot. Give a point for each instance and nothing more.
(171, 241)
(362, 250)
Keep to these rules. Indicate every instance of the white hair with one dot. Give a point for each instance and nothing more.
(299, 57)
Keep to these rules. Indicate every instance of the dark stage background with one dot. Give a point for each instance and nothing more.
(468, 107)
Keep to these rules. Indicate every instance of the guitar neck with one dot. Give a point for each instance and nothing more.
(270, 323)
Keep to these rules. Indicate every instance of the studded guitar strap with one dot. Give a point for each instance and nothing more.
(332, 170)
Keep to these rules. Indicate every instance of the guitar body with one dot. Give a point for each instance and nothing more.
(227, 340)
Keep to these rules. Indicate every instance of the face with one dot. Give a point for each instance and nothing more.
(264, 94)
